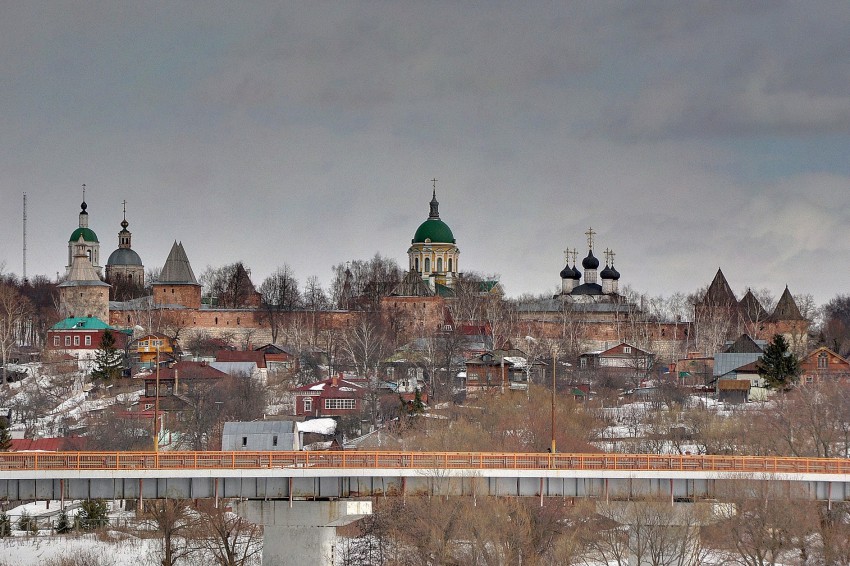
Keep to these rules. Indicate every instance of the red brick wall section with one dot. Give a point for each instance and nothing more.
(188, 296)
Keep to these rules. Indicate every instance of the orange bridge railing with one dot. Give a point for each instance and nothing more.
(38, 461)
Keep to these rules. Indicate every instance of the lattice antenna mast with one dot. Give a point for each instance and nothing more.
(25, 238)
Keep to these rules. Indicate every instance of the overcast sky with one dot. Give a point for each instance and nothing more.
(689, 135)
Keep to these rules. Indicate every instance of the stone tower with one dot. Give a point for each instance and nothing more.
(83, 294)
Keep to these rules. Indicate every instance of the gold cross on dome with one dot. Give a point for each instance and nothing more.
(590, 233)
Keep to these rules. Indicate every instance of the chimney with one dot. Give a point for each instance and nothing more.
(176, 383)
(335, 381)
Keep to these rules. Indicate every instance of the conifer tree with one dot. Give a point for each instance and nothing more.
(5, 436)
(778, 367)
(63, 525)
(107, 359)
(26, 522)
(5, 525)
(93, 515)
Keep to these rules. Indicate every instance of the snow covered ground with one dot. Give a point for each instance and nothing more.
(87, 549)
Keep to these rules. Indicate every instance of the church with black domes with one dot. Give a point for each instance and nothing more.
(598, 286)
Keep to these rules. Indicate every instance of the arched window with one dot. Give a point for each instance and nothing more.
(450, 266)
(427, 265)
(439, 265)
(416, 264)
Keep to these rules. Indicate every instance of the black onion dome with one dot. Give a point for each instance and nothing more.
(607, 273)
(615, 275)
(590, 262)
(576, 274)
(566, 272)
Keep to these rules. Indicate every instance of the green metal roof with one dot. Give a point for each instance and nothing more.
(434, 229)
(87, 234)
(81, 323)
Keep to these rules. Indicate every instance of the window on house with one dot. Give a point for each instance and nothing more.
(341, 404)
(308, 405)
(823, 360)
(583, 362)
(427, 265)
(67, 340)
(88, 340)
(148, 406)
(244, 441)
(439, 264)
(627, 349)
(416, 263)
(55, 340)
(274, 440)
(76, 340)
(450, 265)
(809, 380)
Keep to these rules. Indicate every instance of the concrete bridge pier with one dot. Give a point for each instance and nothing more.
(301, 532)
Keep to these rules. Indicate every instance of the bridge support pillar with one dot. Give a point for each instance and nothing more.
(301, 532)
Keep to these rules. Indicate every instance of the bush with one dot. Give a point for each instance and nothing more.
(81, 557)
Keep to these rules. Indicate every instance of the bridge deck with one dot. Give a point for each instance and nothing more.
(328, 475)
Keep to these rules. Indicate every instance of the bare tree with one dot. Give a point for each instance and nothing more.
(364, 345)
(650, 532)
(174, 522)
(761, 523)
(280, 294)
(15, 310)
(230, 286)
(230, 539)
(360, 284)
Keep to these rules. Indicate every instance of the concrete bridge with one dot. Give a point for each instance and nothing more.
(279, 485)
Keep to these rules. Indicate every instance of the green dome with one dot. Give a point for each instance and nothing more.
(435, 230)
(87, 234)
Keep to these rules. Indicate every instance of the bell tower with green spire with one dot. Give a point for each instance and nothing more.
(433, 251)
(85, 237)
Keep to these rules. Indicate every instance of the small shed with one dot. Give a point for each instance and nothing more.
(733, 390)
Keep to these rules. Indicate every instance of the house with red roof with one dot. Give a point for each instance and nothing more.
(332, 397)
(174, 382)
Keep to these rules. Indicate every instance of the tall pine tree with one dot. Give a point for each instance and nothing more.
(108, 362)
(778, 366)
(5, 436)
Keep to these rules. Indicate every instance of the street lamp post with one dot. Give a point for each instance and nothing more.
(156, 406)
(554, 362)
